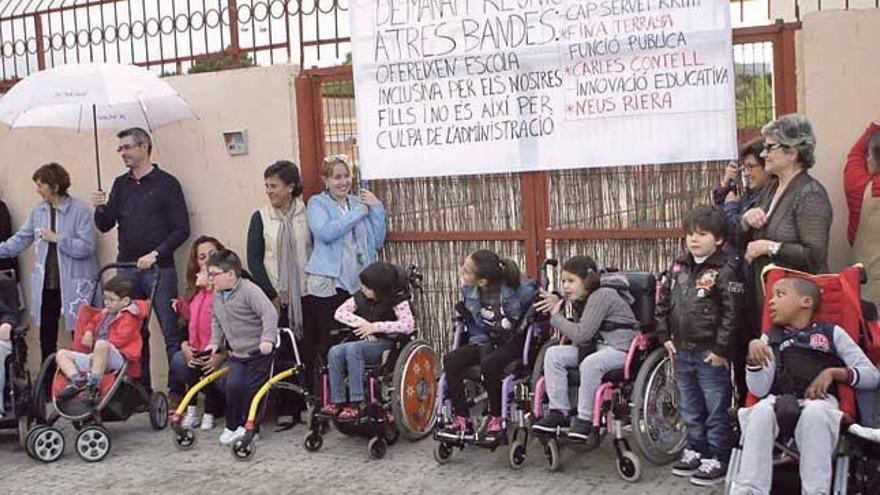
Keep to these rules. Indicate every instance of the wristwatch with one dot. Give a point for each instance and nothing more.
(773, 250)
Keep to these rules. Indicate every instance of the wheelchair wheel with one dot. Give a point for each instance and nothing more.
(415, 390)
(47, 444)
(392, 434)
(658, 432)
(93, 443)
(185, 441)
(313, 442)
(629, 467)
(243, 451)
(551, 451)
(158, 411)
(516, 458)
(443, 452)
(377, 447)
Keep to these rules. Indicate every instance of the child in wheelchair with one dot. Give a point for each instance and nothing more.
(107, 340)
(600, 324)
(793, 369)
(696, 317)
(376, 313)
(495, 299)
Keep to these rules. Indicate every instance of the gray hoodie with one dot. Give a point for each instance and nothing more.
(243, 319)
(604, 304)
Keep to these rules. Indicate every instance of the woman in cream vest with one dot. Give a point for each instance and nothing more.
(278, 246)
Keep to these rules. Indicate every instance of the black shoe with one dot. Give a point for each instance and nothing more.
(92, 391)
(553, 422)
(688, 463)
(711, 472)
(69, 392)
(584, 432)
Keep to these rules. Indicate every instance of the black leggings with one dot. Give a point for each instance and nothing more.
(492, 360)
(318, 321)
(50, 312)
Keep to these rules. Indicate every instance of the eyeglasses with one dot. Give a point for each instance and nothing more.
(126, 147)
(214, 274)
(768, 147)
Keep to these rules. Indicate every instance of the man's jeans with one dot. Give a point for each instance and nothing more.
(166, 290)
(704, 394)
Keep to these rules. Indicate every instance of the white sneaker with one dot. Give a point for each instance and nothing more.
(228, 436)
(207, 421)
(191, 418)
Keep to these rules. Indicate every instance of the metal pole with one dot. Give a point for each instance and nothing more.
(97, 153)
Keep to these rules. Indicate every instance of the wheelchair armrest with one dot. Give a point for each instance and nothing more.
(340, 332)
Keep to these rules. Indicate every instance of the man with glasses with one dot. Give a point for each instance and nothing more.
(147, 205)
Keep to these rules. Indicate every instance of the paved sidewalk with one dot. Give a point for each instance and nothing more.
(145, 461)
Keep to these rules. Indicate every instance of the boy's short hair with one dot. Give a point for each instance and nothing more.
(806, 288)
(119, 285)
(226, 260)
(708, 218)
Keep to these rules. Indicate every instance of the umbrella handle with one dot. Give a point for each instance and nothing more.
(97, 153)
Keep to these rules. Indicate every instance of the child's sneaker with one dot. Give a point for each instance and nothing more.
(459, 424)
(191, 418)
(69, 392)
(688, 463)
(330, 410)
(349, 413)
(207, 422)
(711, 472)
(552, 422)
(496, 425)
(229, 436)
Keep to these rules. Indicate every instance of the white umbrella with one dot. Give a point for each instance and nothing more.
(85, 97)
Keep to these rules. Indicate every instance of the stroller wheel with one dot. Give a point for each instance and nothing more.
(378, 447)
(629, 467)
(551, 450)
(186, 440)
(313, 442)
(46, 444)
(158, 411)
(24, 427)
(243, 451)
(517, 456)
(93, 443)
(442, 452)
(29, 440)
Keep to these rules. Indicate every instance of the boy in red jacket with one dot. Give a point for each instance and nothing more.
(112, 335)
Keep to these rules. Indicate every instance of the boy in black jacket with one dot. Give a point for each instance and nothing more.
(696, 321)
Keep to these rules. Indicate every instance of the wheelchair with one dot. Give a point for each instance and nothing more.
(120, 395)
(639, 397)
(17, 390)
(856, 460)
(400, 391)
(516, 392)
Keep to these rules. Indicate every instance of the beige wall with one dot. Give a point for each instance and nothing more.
(838, 75)
(221, 190)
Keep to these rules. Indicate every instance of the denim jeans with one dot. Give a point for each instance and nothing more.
(704, 394)
(166, 290)
(352, 357)
(245, 377)
(183, 377)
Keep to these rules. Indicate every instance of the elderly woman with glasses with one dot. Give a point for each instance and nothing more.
(789, 226)
(347, 232)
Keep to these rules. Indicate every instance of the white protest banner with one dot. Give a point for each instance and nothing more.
(446, 87)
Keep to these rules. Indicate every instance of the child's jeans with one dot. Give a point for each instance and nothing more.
(352, 357)
(183, 377)
(816, 436)
(593, 367)
(245, 377)
(5, 350)
(704, 394)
